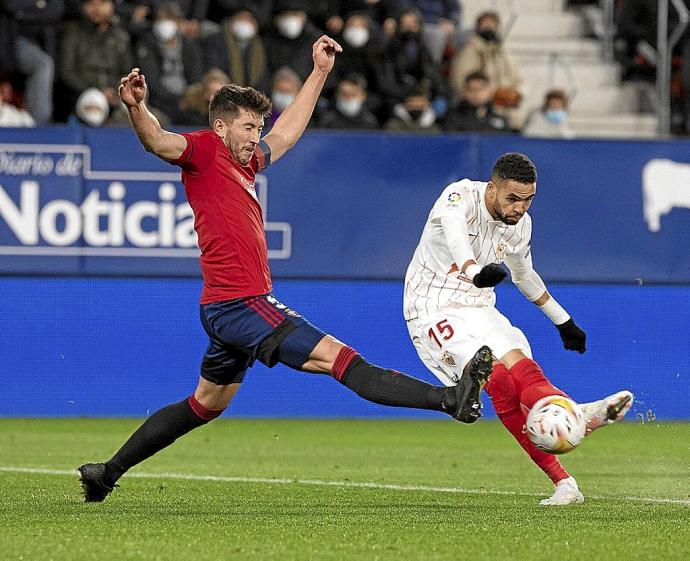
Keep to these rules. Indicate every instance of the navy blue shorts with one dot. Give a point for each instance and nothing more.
(259, 327)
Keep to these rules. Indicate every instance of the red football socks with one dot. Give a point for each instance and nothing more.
(531, 384)
(501, 388)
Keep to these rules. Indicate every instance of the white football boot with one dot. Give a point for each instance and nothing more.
(606, 411)
(567, 493)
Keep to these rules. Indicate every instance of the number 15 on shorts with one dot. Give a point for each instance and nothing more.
(442, 330)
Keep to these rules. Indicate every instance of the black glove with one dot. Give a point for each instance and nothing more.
(490, 275)
(573, 337)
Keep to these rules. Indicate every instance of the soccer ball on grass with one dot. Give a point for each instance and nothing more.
(556, 424)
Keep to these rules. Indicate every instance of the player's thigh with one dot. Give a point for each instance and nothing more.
(432, 358)
(452, 336)
(223, 364)
(296, 342)
(503, 337)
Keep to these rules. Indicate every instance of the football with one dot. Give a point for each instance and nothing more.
(556, 424)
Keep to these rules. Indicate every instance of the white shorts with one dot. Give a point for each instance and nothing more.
(448, 339)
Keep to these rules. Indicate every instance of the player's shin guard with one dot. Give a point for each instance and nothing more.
(503, 393)
(387, 387)
(158, 431)
(531, 384)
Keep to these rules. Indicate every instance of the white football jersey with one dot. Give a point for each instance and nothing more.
(434, 280)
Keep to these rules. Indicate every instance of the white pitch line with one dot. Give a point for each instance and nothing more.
(327, 483)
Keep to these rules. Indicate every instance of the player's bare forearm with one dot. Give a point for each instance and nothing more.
(166, 145)
(291, 124)
(294, 120)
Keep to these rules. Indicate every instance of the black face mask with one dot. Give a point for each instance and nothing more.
(409, 36)
(415, 114)
(488, 35)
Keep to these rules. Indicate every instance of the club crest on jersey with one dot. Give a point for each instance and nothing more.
(501, 251)
(249, 187)
(447, 358)
(454, 199)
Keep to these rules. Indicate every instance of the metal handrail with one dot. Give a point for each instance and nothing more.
(555, 60)
(665, 44)
(608, 9)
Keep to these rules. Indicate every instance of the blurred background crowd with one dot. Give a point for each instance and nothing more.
(424, 66)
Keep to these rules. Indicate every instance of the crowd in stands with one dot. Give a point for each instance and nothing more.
(407, 65)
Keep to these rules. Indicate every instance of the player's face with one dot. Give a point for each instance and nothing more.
(242, 135)
(509, 200)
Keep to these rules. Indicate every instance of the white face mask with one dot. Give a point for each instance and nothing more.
(281, 100)
(93, 117)
(349, 107)
(291, 26)
(164, 30)
(243, 30)
(356, 36)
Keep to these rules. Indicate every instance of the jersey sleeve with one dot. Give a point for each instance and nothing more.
(456, 201)
(262, 157)
(199, 152)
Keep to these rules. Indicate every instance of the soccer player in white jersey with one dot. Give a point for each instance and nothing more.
(449, 304)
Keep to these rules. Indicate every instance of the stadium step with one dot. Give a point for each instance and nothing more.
(542, 48)
(622, 125)
(472, 8)
(585, 74)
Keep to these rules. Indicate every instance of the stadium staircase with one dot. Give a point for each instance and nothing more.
(551, 46)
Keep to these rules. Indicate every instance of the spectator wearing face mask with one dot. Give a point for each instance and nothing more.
(475, 112)
(286, 84)
(485, 52)
(290, 41)
(407, 63)
(170, 60)
(94, 53)
(551, 121)
(415, 114)
(350, 111)
(136, 16)
(238, 50)
(381, 13)
(92, 109)
(195, 102)
(361, 55)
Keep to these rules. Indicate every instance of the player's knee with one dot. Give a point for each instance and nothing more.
(344, 361)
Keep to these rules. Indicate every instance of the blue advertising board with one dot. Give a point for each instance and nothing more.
(347, 206)
(126, 347)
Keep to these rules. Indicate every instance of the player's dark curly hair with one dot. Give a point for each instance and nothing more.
(516, 167)
(226, 103)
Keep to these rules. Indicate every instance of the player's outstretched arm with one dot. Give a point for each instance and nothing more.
(291, 124)
(533, 288)
(166, 145)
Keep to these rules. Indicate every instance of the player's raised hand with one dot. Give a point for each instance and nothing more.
(573, 337)
(490, 275)
(132, 90)
(323, 52)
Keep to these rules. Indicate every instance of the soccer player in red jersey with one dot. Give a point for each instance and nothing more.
(243, 320)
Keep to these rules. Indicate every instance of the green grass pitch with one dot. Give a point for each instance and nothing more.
(342, 490)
